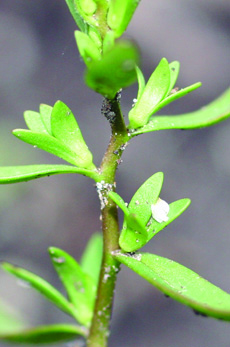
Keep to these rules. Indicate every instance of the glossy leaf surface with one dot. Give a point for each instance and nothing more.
(215, 112)
(155, 90)
(80, 287)
(114, 71)
(46, 334)
(15, 174)
(42, 286)
(92, 257)
(180, 283)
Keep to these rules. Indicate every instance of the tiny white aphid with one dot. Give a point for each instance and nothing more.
(160, 211)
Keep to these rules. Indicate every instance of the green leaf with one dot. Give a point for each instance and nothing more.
(120, 13)
(176, 95)
(15, 174)
(65, 129)
(155, 90)
(46, 334)
(176, 208)
(141, 82)
(215, 112)
(120, 202)
(80, 287)
(42, 286)
(92, 257)
(72, 4)
(145, 196)
(49, 144)
(180, 283)
(45, 112)
(88, 6)
(174, 67)
(34, 122)
(115, 70)
(87, 48)
(133, 238)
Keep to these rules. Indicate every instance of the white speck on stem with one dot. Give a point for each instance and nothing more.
(160, 211)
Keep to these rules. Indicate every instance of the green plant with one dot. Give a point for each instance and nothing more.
(112, 64)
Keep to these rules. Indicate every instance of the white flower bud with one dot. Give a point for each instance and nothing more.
(160, 211)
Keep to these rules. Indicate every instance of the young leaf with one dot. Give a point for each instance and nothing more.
(177, 95)
(141, 82)
(180, 283)
(45, 112)
(49, 144)
(134, 237)
(155, 90)
(83, 26)
(87, 48)
(174, 68)
(65, 129)
(120, 202)
(215, 112)
(88, 6)
(34, 122)
(14, 174)
(115, 70)
(145, 196)
(46, 334)
(42, 286)
(120, 13)
(80, 288)
(176, 208)
(92, 257)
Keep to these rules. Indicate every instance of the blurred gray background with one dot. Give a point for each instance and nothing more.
(39, 63)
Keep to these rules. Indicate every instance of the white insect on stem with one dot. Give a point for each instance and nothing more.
(160, 211)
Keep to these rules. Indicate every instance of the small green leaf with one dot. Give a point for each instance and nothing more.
(49, 144)
(145, 196)
(87, 48)
(108, 41)
(42, 286)
(120, 202)
(115, 70)
(80, 287)
(180, 283)
(134, 237)
(95, 37)
(45, 112)
(92, 257)
(120, 13)
(34, 122)
(46, 334)
(174, 68)
(65, 129)
(215, 112)
(155, 90)
(72, 4)
(176, 95)
(15, 174)
(88, 6)
(176, 208)
(141, 82)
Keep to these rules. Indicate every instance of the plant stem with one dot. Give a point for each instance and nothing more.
(100, 327)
